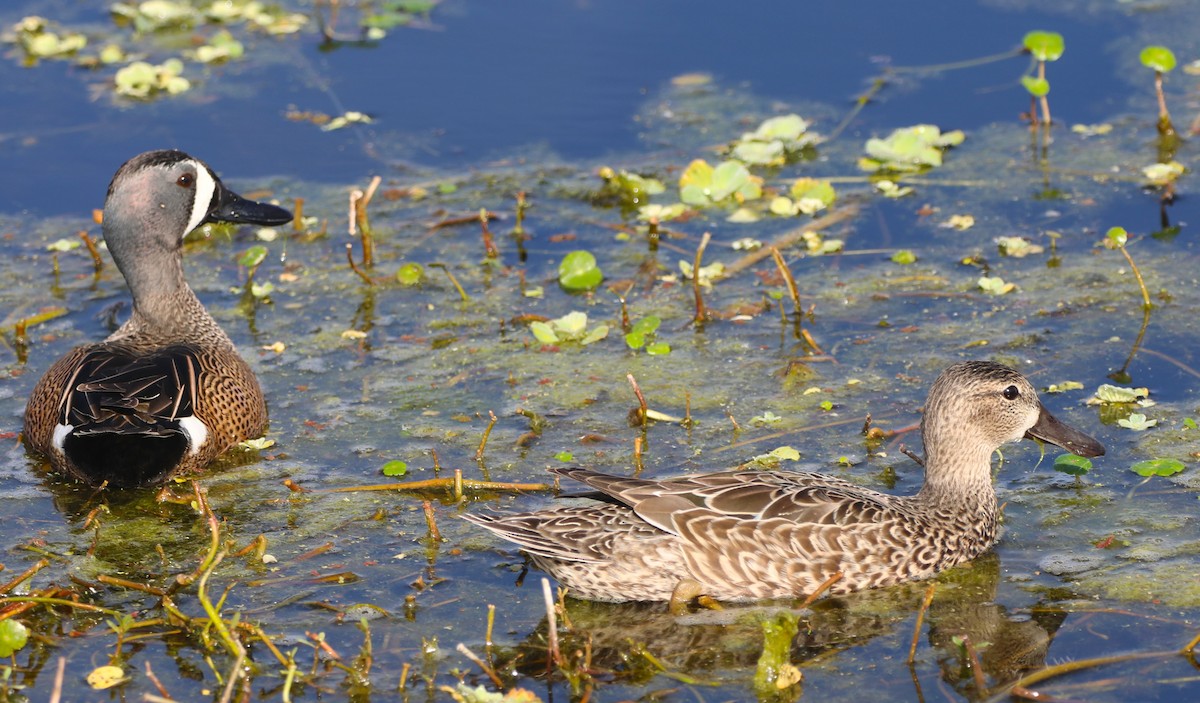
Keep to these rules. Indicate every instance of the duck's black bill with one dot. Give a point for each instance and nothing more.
(1049, 429)
(231, 207)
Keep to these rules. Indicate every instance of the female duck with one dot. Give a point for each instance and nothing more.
(167, 392)
(743, 535)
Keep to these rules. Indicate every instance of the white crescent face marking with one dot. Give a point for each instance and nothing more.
(60, 435)
(203, 194)
(196, 432)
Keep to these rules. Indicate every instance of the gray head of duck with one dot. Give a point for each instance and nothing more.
(153, 201)
(976, 406)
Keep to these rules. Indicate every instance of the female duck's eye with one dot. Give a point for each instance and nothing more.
(1011, 393)
(186, 180)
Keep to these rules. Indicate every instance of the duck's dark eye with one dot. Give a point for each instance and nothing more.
(185, 181)
(1011, 392)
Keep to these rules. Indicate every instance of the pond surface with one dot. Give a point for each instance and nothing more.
(477, 102)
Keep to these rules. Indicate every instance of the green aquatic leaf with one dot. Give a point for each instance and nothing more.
(1137, 422)
(410, 274)
(635, 340)
(760, 153)
(1072, 464)
(1158, 58)
(253, 256)
(647, 325)
(1107, 393)
(578, 271)
(594, 335)
(1037, 87)
(904, 257)
(565, 456)
(13, 636)
(1044, 46)
(658, 349)
(571, 325)
(909, 149)
(728, 177)
(1157, 467)
(543, 332)
(394, 467)
(1064, 386)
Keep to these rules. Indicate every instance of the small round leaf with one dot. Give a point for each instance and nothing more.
(1159, 58)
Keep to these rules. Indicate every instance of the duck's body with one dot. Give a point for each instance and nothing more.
(744, 535)
(167, 392)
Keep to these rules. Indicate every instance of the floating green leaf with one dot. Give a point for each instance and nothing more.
(995, 285)
(701, 185)
(1137, 422)
(1018, 247)
(1072, 464)
(1037, 87)
(661, 213)
(1158, 58)
(13, 636)
(1157, 467)
(1107, 393)
(571, 327)
(221, 47)
(658, 349)
(253, 256)
(142, 80)
(579, 272)
(394, 467)
(909, 149)
(410, 274)
(629, 188)
(565, 456)
(904, 257)
(1064, 386)
(1045, 46)
(1159, 175)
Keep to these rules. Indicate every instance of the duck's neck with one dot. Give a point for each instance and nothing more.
(165, 310)
(958, 475)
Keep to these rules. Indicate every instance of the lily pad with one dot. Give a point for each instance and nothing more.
(909, 149)
(578, 271)
(13, 636)
(1159, 58)
(1157, 467)
(701, 185)
(1072, 464)
(1044, 46)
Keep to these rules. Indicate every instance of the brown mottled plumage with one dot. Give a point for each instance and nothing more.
(744, 535)
(167, 392)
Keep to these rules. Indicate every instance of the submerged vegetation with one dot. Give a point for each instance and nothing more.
(749, 281)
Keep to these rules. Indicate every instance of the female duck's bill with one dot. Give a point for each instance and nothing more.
(745, 535)
(167, 392)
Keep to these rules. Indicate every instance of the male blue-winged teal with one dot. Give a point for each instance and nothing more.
(744, 535)
(167, 392)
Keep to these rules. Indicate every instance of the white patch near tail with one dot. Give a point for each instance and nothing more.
(60, 435)
(202, 200)
(196, 431)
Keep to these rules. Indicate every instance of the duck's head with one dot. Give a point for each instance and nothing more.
(988, 404)
(156, 198)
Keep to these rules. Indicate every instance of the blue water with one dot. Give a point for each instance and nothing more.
(493, 79)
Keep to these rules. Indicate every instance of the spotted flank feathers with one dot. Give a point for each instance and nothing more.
(746, 535)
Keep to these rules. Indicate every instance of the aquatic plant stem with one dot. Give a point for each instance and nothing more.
(489, 242)
(487, 432)
(463, 650)
(1071, 666)
(24, 575)
(462, 294)
(354, 267)
(1165, 127)
(642, 410)
(97, 262)
(445, 484)
(1138, 275)
(701, 313)
(214, 557)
